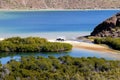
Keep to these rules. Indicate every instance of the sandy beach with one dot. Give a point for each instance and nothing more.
(84, 45)
(88, 46)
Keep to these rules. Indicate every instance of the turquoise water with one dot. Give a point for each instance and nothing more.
(50, 25)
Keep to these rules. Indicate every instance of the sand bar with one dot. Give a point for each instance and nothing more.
(89, 46)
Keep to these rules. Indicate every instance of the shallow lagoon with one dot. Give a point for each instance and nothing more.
(5, 57)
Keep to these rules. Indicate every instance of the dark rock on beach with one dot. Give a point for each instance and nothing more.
(108, 28)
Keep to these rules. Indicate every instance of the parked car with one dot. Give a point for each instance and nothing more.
(60, 39)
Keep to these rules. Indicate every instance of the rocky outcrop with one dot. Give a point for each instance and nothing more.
(108, 28)
(59, 4)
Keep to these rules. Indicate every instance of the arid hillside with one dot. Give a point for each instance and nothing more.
(59, 4)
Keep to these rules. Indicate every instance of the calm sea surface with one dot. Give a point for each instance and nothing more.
(50, 25)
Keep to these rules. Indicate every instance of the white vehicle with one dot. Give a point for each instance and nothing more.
(60, 39)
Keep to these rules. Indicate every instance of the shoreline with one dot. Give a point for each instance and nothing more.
(58, 9)
(88, 46)
(85, 45)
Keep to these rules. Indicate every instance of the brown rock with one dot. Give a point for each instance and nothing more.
(109, 27)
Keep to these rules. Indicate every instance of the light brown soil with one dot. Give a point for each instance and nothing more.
(59, 4)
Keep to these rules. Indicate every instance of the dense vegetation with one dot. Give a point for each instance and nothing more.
(112, 42)
(32, 44)
(62, 68)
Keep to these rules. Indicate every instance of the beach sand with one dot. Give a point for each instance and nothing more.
(88, 46)
(84, 45)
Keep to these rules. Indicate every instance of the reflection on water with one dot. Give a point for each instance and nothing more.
(5, 57)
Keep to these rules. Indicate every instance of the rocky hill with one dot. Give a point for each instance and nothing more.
(59, 4)
(109, 27)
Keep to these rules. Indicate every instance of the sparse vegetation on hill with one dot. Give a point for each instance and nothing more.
(59, 4)
(32, 44)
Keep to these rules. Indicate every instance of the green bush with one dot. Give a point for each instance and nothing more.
(59, 47)
(112, 42)
(62, 68)
(32, 44)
